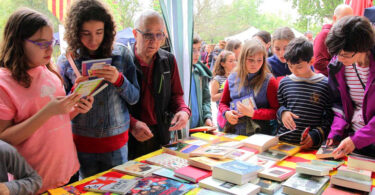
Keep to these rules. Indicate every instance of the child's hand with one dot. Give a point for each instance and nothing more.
(84, 104)
(81, 79)
(307, 142)
(232, 117)
(109, 73)
(287, 118)
(247, 110)
(346, 146)
(4, 189)
(62, 105)
(209, 122)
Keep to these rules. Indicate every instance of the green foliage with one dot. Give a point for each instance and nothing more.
(313, 13)
(123, 11)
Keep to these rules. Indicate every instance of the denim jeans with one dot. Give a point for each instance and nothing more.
(93, 163)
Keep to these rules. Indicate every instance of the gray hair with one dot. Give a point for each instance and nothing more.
(339, 8)
(146, 15)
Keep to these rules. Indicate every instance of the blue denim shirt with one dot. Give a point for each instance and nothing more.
(109, 114)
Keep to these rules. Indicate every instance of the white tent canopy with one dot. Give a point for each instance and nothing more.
(242, 36)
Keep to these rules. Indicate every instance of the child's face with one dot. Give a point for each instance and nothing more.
(196, 52)
(92, 34)
(254, 63)
(229, 63)
(347, 58)
(38, 55)
(301, 69)
(279, 49)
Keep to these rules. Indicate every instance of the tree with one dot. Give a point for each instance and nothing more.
(314, 12)
(123, 11)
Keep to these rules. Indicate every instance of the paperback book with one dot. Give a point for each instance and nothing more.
(352, 178)
(273, 155)
(239, 154)
(285, 148)
(212, 151)
(206, 163)
(267, 186)
(168, 161)
(169, 174)
(90, 65)
(236, 172)
(311, 169)
(88, 87)
(261, 142)
(259, 160)
(110, 184)
(180, 149)
(361, 162)
(192, 174)
(137, 169)
(229, 188)
(276, 173)
(302, 184)
(325, 151)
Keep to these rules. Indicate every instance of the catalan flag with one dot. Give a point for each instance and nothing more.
(58, 8)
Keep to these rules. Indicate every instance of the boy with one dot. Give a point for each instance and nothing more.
(27, 180)
(200, 98)
(304, 98)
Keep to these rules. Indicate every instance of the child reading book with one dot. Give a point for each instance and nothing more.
(304, 98)
(35, 114)
(101, 135)
(249, 99)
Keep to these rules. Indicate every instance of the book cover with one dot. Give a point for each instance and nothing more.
(330, 163)
(169, 174)
(206, 137)
(136, 168)
(239, 154)
(337, 190)
(358, 174)
(90, 65)
(325, 151)
(86, 88)
(192, 174)
(259, 160)
(261, 142)
(155, 185)
(206, 163)
(238, 167)
(168, 161)
(110, 184)
(285, 148)
(311, 169)
(267, 186)
(273, 155)
(307, 184)
(227, 187)
(212, 151)
(229, 144)
(180, 149)
(276, 173)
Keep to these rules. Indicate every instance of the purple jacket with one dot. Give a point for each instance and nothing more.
(344, 109)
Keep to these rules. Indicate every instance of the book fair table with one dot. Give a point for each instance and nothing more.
(290, 162)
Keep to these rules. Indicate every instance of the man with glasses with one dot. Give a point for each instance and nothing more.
(161, 108)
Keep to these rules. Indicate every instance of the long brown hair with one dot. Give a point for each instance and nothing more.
(250, 48)
(82, 11)
(222, 58)
(21, 25)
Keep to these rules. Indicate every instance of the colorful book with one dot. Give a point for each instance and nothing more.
(203, 129)
(285, 148)
(212, 151)
(193, 141)
(255, 151)
(229, 188)
(259, 160)
(305, 184)
(160, 185)
(192, 174)
(90, 65)
(168, 161)
(206, 137)
(229, 144)
(261, 142)
(311, 169)
(239, 154)
(137, 169)
(273, 155)
(361, 161)
(206, 163)
(325, 151)
(329, 163)
(202, 191)
(110, 184)
(276, 173)
(352, 178)
(267, 186)
(236, 172)
(337, 190)
(180, 149)
(88, 87)
(169, 174)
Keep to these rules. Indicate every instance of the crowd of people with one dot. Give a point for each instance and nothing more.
(270, 84)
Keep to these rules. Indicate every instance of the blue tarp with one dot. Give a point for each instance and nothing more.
(125, 36)
(370, 14)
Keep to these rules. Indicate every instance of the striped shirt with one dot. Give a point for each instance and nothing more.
(308, 98)
(356, 92)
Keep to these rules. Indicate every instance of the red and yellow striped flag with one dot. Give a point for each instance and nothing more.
(58, 8)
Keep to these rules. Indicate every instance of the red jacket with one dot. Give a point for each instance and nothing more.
(321, 54)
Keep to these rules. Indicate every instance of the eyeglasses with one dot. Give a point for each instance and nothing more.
(151, 36)
(347, 56)
(43, 44)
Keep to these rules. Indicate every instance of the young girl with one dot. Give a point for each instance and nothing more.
(351, 77)
(234, 46)
(249, 99)
(224, 65)
(34, 112)
(101, 135)
(280, 39)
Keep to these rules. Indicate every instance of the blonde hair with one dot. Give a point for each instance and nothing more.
(250, 48)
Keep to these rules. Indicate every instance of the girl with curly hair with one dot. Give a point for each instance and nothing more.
(35, 114)
(101, 135)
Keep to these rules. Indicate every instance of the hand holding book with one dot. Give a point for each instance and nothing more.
(346, 146)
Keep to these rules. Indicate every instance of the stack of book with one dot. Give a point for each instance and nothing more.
(276, 173)
(168, 161)
(312, 169)
(302, 184)
(192, 174)
(206, 163)
(229, 188)
(361, 162)
(352, 178)
(137, 169)
(260, 142)
(236, 172)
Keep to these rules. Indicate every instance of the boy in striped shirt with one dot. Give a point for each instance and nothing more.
(304, 98)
